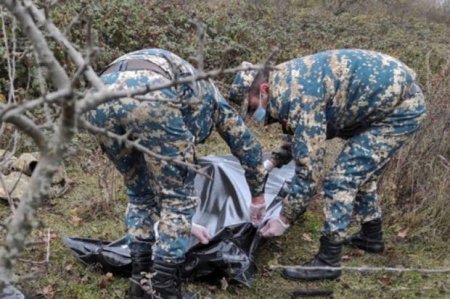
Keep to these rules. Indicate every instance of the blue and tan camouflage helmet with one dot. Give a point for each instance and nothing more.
(241, 86)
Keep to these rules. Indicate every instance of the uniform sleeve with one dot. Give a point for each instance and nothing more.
(243, 145)
(308, 151)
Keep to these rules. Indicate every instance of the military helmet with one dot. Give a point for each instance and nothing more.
(241, 84)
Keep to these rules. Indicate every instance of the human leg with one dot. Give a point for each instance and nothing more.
(167, 136)
(363, 157)
(368, 212)
(142, 210)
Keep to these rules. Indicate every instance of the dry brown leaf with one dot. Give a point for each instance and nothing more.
(385, 280)
(346, 257)
(403, 233)
(75, 220)
(68, 268)
(306, 237)
(109, 276)
(48, 292)
(84, 279)
(101, 282)
(223, 283)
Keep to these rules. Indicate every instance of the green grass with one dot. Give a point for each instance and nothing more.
(96, 203)
(86, 211)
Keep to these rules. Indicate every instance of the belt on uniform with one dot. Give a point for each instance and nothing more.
(135, 65)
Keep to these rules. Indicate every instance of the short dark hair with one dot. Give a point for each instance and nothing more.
(261, 77)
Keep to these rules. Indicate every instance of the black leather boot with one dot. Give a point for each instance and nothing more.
(141, 264)
(167, 282)
(369, 238)
(329, 256)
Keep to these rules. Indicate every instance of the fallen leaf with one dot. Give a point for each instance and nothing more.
(223, 283)
(102, 282)
(307, 237)
(75, 220)
(346, 257)
(403, 233)
(68, 268)
(84, 279)
(48, 292)
(385, 280)
(109, 276)
(443, 287)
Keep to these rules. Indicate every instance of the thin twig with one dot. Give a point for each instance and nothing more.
(95, 98)
(444, 161)
(16, 109)
(7, 155)
(47, 254)
(70, 49)
(10, 57)
(147, 98)
(123, 139)
(363, 269)
(28, 127)
(201, 45)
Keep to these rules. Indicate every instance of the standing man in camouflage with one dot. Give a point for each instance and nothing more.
(368, 98)
(168, 122)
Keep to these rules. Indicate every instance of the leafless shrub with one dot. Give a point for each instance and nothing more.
(69, 87)
(417, 183)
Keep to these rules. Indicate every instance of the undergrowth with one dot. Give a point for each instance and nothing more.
(415, 188)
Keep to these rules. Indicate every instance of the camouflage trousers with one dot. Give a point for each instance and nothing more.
(351, 185)
(157, 190)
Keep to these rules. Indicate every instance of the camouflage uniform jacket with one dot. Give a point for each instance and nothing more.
(331, 94)
(203, 108)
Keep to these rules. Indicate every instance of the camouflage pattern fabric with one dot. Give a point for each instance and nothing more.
(168, 122)
(368, 98)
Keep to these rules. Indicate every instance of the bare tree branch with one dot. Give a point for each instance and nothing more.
(62, 40)
(95, 98)
(27, 126)
(17, 109)
(47, 254)
(201, 45)
(123, 139)
(46, 56)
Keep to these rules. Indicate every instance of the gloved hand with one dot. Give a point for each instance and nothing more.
(200, 232)
(274, 228)
(268, 165)
(257, 213)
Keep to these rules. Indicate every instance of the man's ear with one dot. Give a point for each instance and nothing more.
(264, 87)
